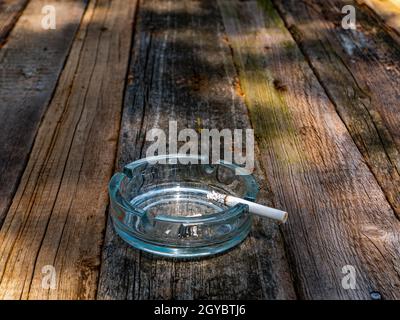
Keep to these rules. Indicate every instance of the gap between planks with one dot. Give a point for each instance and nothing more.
(387, 10)
(57, 216)
(339, 214)
(346, 64)
(182, 69)
(30, 64)
(10, 11)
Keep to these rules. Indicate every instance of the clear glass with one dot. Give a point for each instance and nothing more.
(160, 205)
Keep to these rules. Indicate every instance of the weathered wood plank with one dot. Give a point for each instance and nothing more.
(58, 214)
(30, 63)
(360, 70)
(10, 10)
(181, 69)
(388, 10)
(338, 213)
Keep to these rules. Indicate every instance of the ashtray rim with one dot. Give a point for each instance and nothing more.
(142, 236)
(217, 217)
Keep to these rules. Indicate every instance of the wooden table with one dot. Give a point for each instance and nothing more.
(76, 103)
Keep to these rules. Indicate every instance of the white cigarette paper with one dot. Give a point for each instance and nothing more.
(254, 208)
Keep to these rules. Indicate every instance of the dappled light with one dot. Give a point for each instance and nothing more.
(77, 103)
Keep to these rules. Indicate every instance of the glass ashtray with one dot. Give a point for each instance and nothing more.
(160, 205)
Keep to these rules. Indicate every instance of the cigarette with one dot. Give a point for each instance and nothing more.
(254, 208)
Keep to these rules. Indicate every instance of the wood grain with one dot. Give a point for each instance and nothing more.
(10, 10)
(388, 10)
(30, 64)
(182, 70)
(359, 70)
(339, 215)
(58, 214)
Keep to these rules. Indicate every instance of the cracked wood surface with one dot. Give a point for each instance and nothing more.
(181, 69)
(57, 216)
(323, 103)
(359, 69)
(338, 213)
(388, 10)
(10, 10)
(30, 63)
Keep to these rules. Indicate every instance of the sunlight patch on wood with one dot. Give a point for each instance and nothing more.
(388, 10)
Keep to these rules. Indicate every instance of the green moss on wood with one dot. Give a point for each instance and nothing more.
(274, 19)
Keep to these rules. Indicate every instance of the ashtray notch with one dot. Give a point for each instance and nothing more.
(160, 205)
